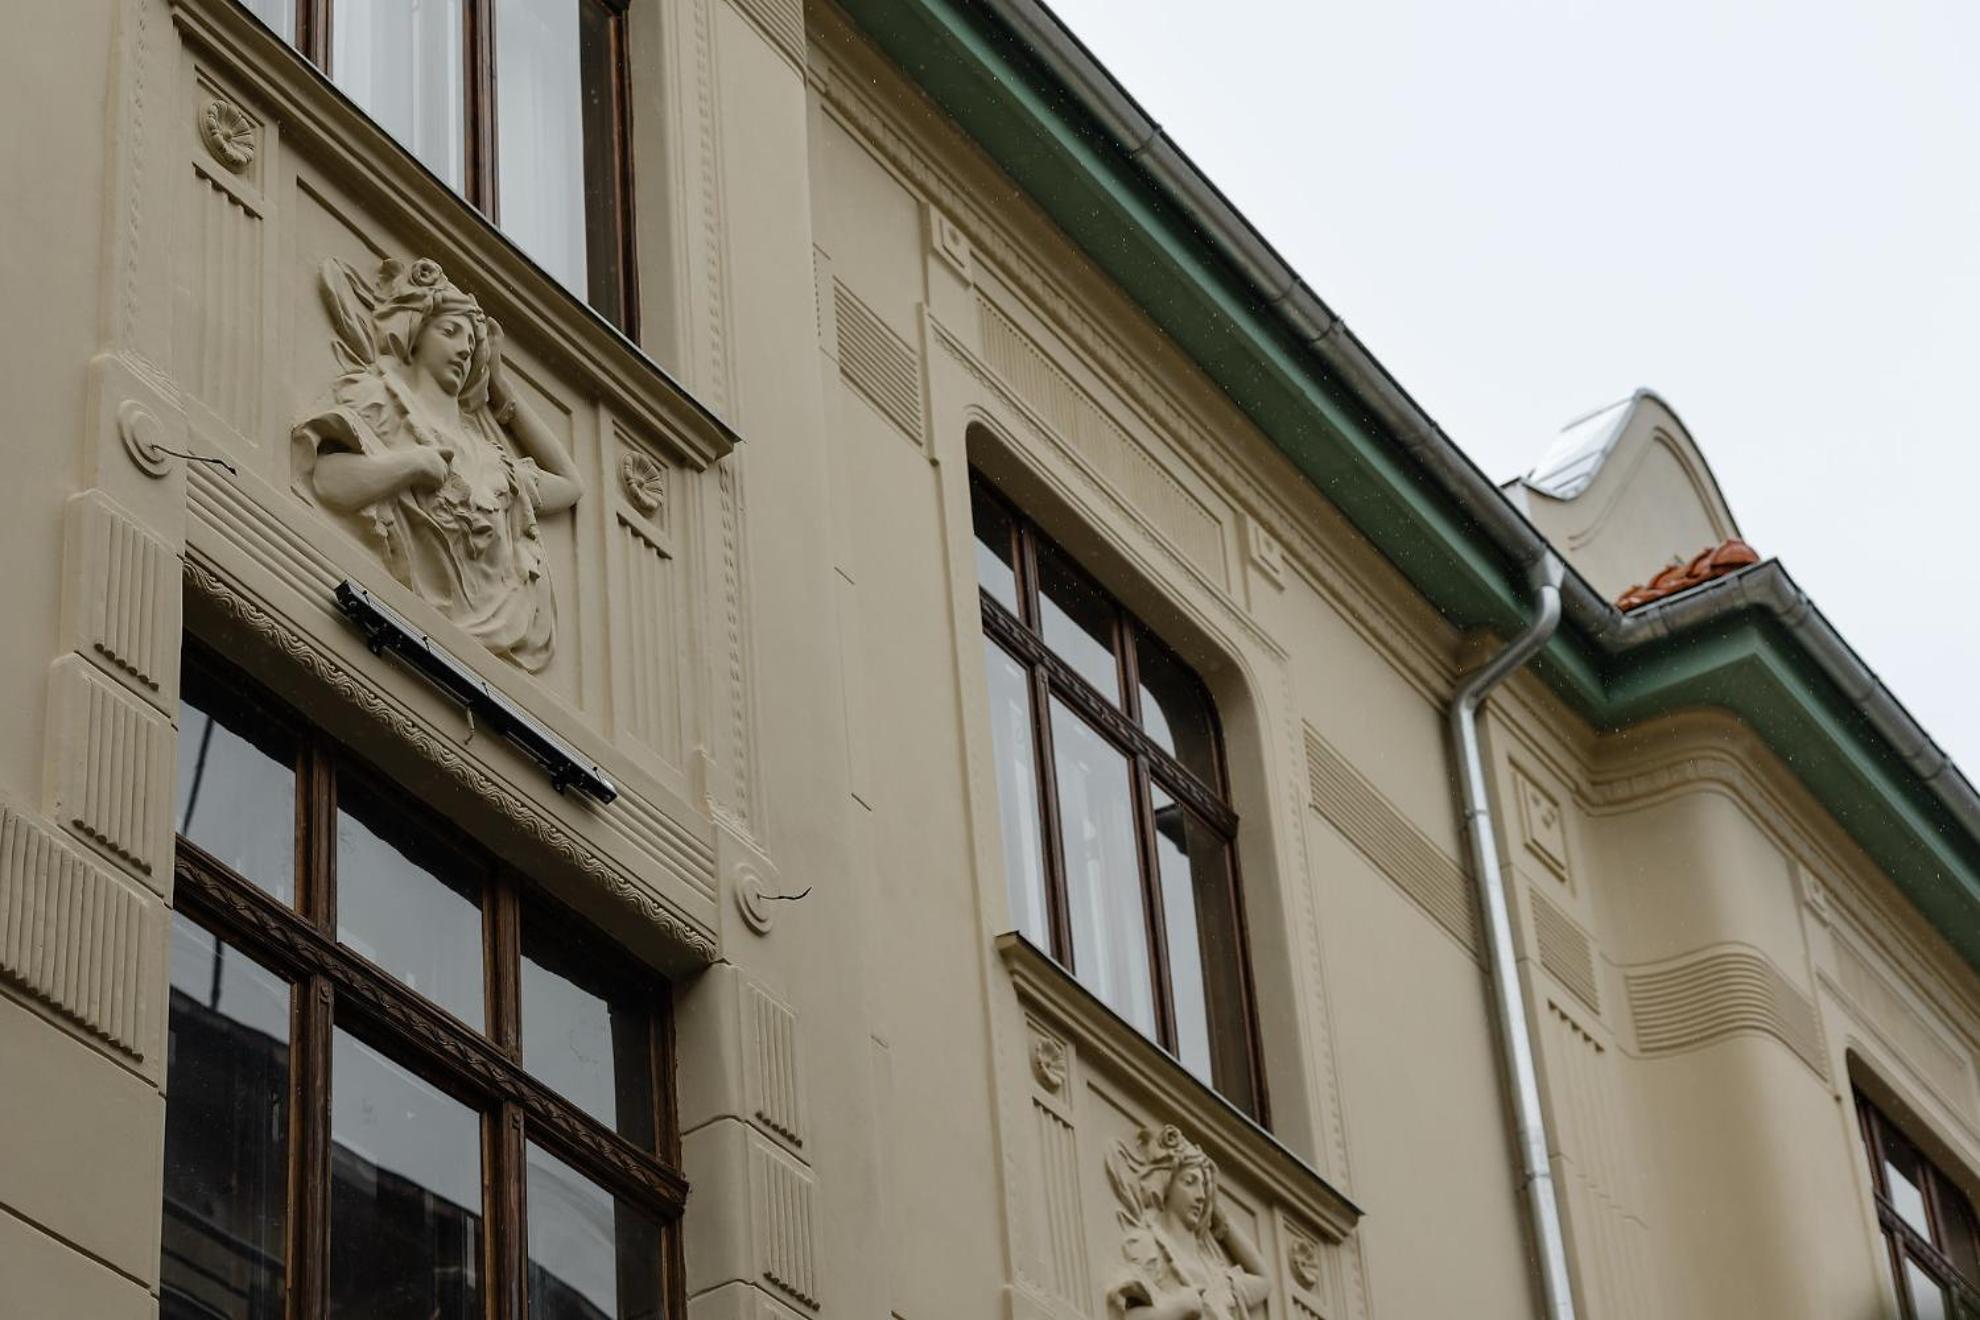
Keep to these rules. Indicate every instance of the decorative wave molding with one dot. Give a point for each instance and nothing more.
(70, 934)
(1565, 950)
(1395, 846)
(1709, 996)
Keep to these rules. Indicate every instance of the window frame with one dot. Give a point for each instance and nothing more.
(333, 987)
(1151, 766)
(481, 183)
(1902, 1241)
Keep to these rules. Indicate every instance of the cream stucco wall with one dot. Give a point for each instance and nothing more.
(780, 664)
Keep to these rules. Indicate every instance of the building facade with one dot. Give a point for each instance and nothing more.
(742, 658)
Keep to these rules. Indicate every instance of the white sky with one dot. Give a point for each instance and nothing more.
(1768, 212)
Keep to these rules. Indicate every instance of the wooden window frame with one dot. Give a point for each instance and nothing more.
(1021, 637)
(1902, 1240)
(481, 181)
(332, 987)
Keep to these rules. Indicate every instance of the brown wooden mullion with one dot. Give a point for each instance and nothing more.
(502, 960)
(313, 31)
(1146, 844)
(309, 1159)
(1113, 724)
(503, 1165)
(481, 184)
(1254, 1045)
(1058, 898)
(622, 211)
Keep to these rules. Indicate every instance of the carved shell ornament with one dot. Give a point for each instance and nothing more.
(1304, 1258)
(228, 133)
(1048, 1064)
(645, 482)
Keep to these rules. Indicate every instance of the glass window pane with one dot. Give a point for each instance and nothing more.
(1206, 973)
(279, 15)
(591, 1254)
(1928, 1299)
(236, 792)
(1959, 1233)
(405, 1194)
(1078, 619)
(401, 60)
(1904, 1173)
(994, 570)
(1012, 739)
(539, 89)
(226, 1133)
(407, 908)
(1175, 709)
(589, 1041)
(1103, 878)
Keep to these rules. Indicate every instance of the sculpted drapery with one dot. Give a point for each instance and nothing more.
(1182, 1259)
(431, 456)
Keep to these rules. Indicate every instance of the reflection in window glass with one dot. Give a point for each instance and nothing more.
(1206, 967)
(1078, 619)
(1103, 875)
(1904, 1171)
(226, 1133)
(401, 61)
(1175, 709)
(591, 1254)
(405, 1196)
(994, 570)
(586, 1042)
(419, 922)
(539, 114)
(236, 796)
(1928, 1299)
(1017, 793)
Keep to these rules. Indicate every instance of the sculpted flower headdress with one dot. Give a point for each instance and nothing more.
(385, 314)
(1140, 1174)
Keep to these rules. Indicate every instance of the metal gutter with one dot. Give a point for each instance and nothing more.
(1279, 290)
(1529, 1116)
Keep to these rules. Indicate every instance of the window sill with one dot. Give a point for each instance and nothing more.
(1168, 1092)
(322, 123)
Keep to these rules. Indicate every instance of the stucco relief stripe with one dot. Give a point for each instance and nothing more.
(109, 757)
(70, 935)
(1396, 848)
(1565, 950)
(1064, 1221)
(123, 594)
(1080, 424)
(780, 1196)
(877, 362)
(1707, 997)
(772, 1080)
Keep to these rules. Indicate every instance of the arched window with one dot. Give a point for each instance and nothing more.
(1119, 837)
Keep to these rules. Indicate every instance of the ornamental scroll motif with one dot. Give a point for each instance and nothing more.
(1180, 1256)
(434, 460)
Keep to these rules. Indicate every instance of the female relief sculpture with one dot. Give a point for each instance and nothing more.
(1185, 1261)
(444, 469)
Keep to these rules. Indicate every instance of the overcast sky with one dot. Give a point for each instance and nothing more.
(1767, 212)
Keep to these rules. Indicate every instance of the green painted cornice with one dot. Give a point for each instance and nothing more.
(1743, 660)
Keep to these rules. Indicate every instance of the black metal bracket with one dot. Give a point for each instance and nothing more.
(385, 630)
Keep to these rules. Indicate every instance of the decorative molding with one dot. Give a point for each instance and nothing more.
(947, 241)
(1265, 552)
(1391, 842)
(228, 133)
(882, 366)
(72, 935)
(712, 269)
(644, 482)
(1108, 1045)
(780, 1209)
(143, 436)
(1303, 1259)
(752, 902)
(770, 1073)
(1713, 994)
(680, 930)
(1086, 431)
(742, 805)
(121, 597)
(1566, 952)
(782, 22)
(1542, 824)
(1048, 1063)
(1180, 1249)
(1066, 1262)
(110, 761)
(1944, 1069)
(649, 619)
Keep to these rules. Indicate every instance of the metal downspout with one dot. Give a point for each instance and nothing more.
(1515, 1041)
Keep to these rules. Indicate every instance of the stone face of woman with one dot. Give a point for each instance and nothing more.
(1188, 1197)
(444, 349)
